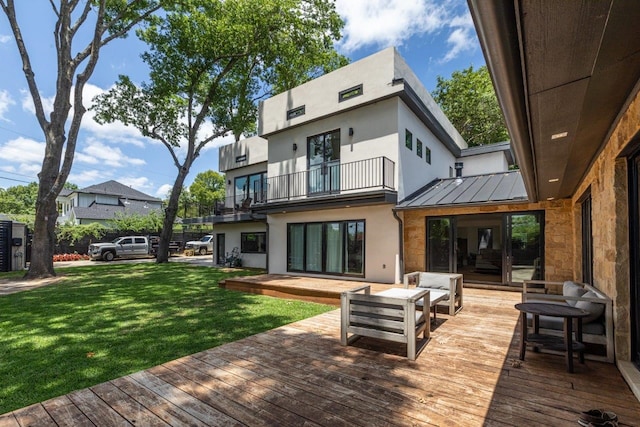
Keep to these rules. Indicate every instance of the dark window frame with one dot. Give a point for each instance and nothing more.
(408, 139)
(249, 191)
(587, 236)
(427, 154)
(323, 270)
(419, 148)
(296, 112)
(352, 92)
(243, 240)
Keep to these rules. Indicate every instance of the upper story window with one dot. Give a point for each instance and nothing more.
(408, 139)
(419, 148)
(352, 92)
(252, 187)
(295, 112)
(427, 154)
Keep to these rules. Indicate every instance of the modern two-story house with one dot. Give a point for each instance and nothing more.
(323, 189)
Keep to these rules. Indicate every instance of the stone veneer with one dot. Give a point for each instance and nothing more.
(607, 180)
(559, 257)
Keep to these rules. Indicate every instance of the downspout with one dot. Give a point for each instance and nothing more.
(400, 244)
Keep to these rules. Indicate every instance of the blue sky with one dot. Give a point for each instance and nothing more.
(436, 37)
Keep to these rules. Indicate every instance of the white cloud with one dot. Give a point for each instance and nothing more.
(139, 183)
(88, 177)
(23, 150)
(5, 38)
(164, 190)
(5, 102)
(98, 152)
(385, 23)
(27, 103)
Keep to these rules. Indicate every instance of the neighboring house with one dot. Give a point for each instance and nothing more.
(317, 192)
(571, 101)
(103, 202)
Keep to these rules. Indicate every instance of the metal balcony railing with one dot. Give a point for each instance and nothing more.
(332, 178)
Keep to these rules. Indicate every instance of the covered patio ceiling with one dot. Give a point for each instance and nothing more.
(563, 71)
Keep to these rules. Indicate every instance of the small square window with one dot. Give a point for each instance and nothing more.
(419, 148)
(427, 154)
(408, 140)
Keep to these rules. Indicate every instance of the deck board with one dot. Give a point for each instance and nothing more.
(300, 375)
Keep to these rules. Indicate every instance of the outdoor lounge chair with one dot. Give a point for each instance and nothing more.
(384, 317)
(449, 282)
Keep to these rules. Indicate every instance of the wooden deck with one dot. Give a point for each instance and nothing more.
(300, 375)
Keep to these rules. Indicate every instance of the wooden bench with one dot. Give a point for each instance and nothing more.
(391, 318)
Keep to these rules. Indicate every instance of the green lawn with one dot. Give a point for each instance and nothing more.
(106, 321)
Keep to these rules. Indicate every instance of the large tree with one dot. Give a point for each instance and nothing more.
(209, 62)
(81, 29)
(207, 189)
(469, 101)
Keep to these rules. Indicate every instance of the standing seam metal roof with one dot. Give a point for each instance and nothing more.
(469, 190)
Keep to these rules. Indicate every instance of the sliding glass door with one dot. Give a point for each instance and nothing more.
(487, 248)
(335, 247)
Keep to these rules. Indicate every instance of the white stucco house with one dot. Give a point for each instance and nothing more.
(318, 188)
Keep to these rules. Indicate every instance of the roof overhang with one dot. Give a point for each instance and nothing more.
(330, 201)
(563, 72)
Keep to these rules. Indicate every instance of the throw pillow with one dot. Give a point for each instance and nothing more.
(572, 289)
(595, 309)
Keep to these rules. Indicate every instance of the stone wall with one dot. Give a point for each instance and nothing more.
(607, 180)
(559, 256)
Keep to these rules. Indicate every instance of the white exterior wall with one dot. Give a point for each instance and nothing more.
(254, 148)
(232, 240)
(484, 163)
(414, 171)
(374, 128)
(381, 240)
(320, 96)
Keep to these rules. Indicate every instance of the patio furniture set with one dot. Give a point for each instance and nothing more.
(559, 317)
(400, 314)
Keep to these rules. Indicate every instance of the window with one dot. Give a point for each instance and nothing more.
(253, 243)
(335, 247)
(295, 112)
(250, 186)
(419, 148)
(350, 93)
(408, 139)
(587, 240)
(427, 154)
(450, 172)
(323, 160)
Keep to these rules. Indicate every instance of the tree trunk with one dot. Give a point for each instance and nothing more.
(170, 213)
(44, 241)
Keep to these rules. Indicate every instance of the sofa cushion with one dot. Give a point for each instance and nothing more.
(595, 309)
(434, 281)
(572, 289)
(557, 323)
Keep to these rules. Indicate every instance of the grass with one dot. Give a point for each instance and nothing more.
(103, 322)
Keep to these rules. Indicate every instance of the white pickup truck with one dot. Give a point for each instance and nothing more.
(129, 247)
(202, 247)
(122, 247)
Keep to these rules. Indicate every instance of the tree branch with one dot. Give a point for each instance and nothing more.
(81, 20)
(9, 10)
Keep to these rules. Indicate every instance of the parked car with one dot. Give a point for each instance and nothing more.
(129, 247)
(203, 246)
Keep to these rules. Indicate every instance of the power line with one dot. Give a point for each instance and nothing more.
(17, 180)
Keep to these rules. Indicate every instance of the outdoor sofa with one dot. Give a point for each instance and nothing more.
(449, 282)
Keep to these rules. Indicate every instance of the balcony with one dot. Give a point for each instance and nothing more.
(332, 178)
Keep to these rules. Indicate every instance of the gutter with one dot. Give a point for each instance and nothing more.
(497, 24)
(400, 242)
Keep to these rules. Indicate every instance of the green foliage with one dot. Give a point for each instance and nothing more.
(26, 219)
(72, 232)
(71, 186)
(106, 321)
(469, 101)
(206, 189)
(20, 199)
(134, 222)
